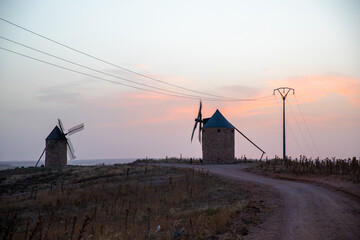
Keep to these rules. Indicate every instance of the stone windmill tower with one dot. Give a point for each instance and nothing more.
(218, 140)
(217, 136)
(57, 146)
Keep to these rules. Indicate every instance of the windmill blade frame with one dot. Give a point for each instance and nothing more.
(70, 153)
(192, 135)
(200, 132)
(71, 150)
(198, 120)
(61, 126)
(75, 129)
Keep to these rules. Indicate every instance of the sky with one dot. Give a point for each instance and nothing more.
(234, 49)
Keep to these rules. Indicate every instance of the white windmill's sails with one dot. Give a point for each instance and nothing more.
(75, 129)
(61, 125)
(71, 150)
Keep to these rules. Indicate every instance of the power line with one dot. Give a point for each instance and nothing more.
(117, 66)
(128, 80)
(180, 95)
(307, 128)
(92, 69)
(302, 135)
(89, 75)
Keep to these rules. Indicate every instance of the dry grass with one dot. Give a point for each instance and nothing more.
(347, 168)
(193, 161)
(116, 202)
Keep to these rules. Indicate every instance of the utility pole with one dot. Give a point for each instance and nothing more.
(284, 91)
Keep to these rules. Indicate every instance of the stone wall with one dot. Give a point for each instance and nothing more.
(218, 145)
(55, 154)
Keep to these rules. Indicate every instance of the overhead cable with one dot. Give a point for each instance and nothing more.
(89, 75)
(289, 127)
(128, 80)
(307, 128)
(98, 71)
(301, 133)
(125, 69)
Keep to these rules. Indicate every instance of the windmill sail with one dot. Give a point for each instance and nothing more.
(75, 129)
(61, 126)
(192, 135)
(71, 150)
(198, 120)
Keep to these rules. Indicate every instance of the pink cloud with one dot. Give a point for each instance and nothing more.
(145, 108)
(308, 89)
(144, 115)
(311, 88)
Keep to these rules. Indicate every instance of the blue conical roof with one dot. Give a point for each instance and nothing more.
(217, 120)
(56, 134)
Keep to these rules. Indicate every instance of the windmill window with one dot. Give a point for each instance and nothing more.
(232, 130)
(218, 130)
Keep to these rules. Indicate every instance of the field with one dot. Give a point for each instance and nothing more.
(133, 201)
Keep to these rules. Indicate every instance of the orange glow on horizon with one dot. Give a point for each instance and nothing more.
(311, 88)
(150, 108)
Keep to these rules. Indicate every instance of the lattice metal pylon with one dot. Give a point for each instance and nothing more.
(284, 91)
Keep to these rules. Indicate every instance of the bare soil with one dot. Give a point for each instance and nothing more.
(313, 208)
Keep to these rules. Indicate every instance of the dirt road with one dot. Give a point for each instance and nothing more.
(306, 211)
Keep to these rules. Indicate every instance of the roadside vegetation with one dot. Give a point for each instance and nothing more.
(123, 202)
(195, 161)
(347, 169)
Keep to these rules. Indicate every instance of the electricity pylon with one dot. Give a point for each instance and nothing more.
(285, 91)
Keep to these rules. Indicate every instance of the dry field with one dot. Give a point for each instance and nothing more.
(123, 202)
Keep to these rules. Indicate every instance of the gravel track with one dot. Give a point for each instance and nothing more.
(306, 211)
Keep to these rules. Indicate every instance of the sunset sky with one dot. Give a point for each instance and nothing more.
(236, 49)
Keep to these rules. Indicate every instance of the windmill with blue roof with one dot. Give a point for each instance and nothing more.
(217, 136)
(58, 145)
